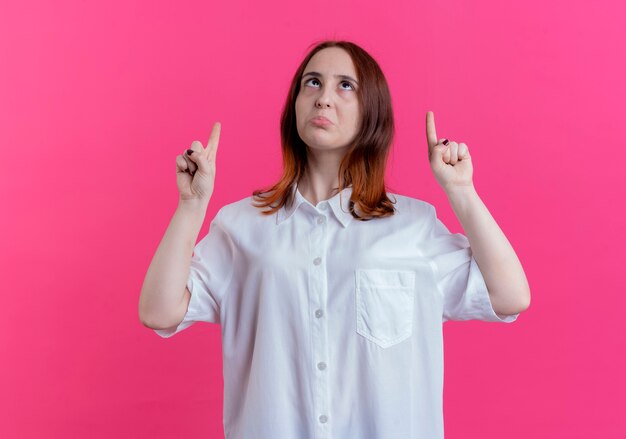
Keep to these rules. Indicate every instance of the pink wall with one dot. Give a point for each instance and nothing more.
(97, 100)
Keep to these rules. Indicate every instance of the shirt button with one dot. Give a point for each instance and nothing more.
(319, 313)
(324, 206)
(321, 366)
(323, 419)
(320, 219)
(317, 261)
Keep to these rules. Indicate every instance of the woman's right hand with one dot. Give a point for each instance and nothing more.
(195, 173)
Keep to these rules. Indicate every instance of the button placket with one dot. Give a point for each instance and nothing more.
(318, 285)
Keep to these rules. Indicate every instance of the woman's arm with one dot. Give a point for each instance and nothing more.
(164, 296)
(498, 263)
(504, 276)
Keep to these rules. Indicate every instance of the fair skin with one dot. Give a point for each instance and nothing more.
(328, 93)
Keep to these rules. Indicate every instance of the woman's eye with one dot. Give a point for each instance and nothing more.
(343, 83)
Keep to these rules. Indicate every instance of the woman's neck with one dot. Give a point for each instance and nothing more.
(318, 186)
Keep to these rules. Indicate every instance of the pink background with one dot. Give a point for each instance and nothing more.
(96, 100)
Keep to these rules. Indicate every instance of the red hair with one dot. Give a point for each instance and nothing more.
(363, 166)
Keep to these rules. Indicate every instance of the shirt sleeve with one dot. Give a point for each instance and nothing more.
(209, 278)
(457, 275)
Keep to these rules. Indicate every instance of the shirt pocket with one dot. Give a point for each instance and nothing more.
(384, 305)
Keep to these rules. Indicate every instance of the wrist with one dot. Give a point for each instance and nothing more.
(193, 205)
(462, 198)
(461, 191)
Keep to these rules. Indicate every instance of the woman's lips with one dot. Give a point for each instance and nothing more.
(321, 121)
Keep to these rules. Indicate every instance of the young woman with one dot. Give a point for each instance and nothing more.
(332, 292)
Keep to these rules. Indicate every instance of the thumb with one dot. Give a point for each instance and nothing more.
(438, 151)
(200, 159)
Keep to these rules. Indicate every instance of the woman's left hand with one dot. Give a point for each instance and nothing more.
(451, 163)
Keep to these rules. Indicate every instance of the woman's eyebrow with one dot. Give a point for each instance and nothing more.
(336, 76)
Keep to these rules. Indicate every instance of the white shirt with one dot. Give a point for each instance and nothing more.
(332, 327)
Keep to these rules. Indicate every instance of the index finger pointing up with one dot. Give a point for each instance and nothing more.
(431, 134)
(214, 140)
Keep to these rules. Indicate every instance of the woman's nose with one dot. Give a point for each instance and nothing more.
(322, 103)
(324, 99)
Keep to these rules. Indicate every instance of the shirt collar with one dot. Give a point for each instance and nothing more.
(339, 204)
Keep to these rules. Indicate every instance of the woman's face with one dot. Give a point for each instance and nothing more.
(328, 89)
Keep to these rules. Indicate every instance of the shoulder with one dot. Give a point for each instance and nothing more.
(232, 210)
(418, 215)
(241, 213)
(410, 206)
